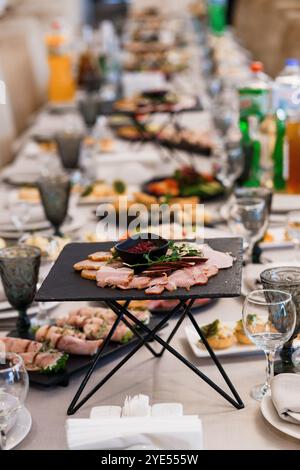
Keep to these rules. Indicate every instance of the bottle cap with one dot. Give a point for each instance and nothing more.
(292, 62)
(257, 67)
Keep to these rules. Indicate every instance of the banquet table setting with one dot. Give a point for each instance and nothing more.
(149, 258)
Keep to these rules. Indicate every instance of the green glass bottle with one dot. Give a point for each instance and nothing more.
(217, 16)
(254, 98)
(279, 151)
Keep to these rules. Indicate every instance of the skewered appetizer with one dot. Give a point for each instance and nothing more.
(83, 330)
(218, 336)
(36, 356)
(240, 334)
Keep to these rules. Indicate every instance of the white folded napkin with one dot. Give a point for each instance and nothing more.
(285, 390)
(165, 433)
(161, 426)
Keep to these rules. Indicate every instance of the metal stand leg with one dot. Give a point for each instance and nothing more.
(121, 312)
(118, 309)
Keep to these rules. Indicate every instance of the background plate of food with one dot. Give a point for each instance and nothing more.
(226, 339)
(185, 182)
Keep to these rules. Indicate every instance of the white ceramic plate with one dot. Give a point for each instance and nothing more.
(235, 350)
(72, 224)
(7, 313)
(20, 430)
(285, 203)
(270, 414)
(279, 240)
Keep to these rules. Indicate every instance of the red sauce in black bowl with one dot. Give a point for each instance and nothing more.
(144, 246)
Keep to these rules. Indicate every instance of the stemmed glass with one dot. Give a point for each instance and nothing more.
(20, 212)
(293, 230)
(55, 195)
(19, 269)
(269, 318)
(69, 147)
(228, 164)
(88, 107)
(248, 218)
(13, 392)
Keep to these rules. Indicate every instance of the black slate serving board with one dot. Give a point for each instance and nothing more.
(64, 284)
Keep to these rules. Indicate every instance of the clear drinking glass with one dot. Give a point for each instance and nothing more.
(269, 318)
(248, 218)
(13, 392)
(293, 230)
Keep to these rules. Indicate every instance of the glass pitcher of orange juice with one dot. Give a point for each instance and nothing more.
(62, 86)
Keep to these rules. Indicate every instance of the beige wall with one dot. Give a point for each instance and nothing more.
(270, 29)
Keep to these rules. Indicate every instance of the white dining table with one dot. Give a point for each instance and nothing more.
(164, 379)
(167, 380)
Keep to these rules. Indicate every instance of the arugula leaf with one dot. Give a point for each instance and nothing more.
(58, 366)
(211, 329)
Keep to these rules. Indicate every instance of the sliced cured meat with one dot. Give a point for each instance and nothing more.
(34, 347)
(46, 360)
(183, 278)
(159, 281)
(217, 258)
(156, 289)
(108, 276)
(122, 334)
(137, 282)
(77, 346)
(16, 345)
(41, 333)
(210, 270)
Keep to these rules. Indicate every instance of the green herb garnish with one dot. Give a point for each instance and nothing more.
(127, 337)
(58, 366)
(119, 187)
(175, 253)
(211, 329)
(88, 191)
(251, 318)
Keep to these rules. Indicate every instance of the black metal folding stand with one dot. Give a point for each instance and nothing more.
(125, 316)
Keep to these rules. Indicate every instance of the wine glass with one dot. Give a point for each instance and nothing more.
(260, 193)
(228, 163)
(286, 278)
(69, 144)
(88, 107)
(20, 212)
(248, 218)
(13, 391)
(55, 195)
(293, 230)
(19, 269)
(269, 318)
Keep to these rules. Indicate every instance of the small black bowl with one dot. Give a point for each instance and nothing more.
(138, 258)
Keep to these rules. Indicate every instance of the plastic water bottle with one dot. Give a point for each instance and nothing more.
(287, 87)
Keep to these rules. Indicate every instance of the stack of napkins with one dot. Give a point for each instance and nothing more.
(136, 425)
(285, 389)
